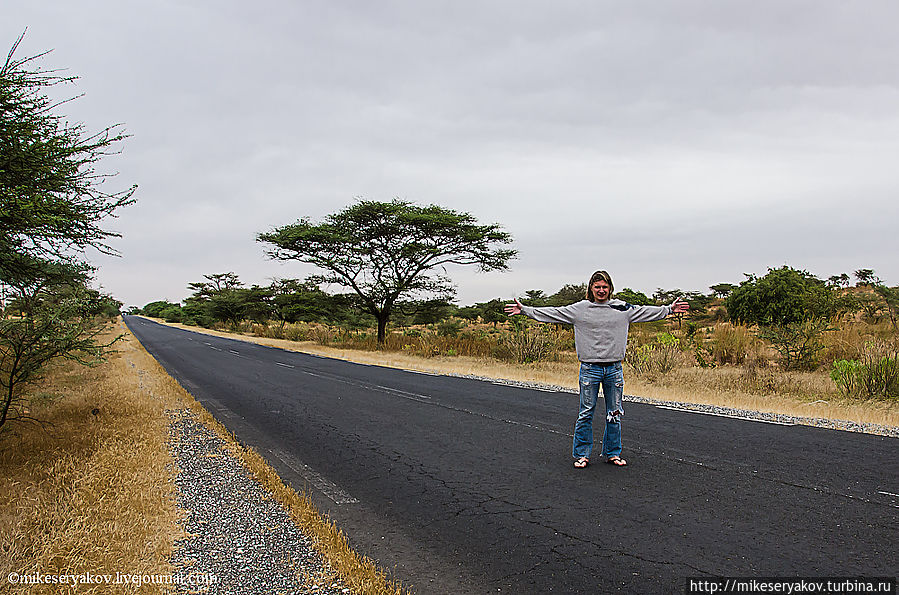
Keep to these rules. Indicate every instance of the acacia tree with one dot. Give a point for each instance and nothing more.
(52, 203)
(386, 252)
(52, 198)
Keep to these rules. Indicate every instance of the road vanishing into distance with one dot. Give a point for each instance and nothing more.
(456, 485)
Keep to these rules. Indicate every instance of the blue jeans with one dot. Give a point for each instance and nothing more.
(611, 377)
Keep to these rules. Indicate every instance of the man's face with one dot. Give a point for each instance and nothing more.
(600, 290)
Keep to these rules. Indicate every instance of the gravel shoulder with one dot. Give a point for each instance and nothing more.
(241, 540)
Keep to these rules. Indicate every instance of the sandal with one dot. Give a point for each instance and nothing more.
(617, 461)
(581, 463)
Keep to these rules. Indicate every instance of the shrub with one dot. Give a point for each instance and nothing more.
(323, 335)
(296, 332)
(797, 343)
(449, 328)
(172, 314)
(656, 358)
(875, 375)
(844, 374)
(782, 297)
(731, 344)
(528, 343)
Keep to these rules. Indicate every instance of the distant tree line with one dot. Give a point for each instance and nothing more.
(783, 296)
(791, 307)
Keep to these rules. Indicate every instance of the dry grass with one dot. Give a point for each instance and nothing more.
(802, 394)
(87, 492)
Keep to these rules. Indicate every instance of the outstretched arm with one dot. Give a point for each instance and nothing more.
(653, 313)
(561, 315)
(679, 307)
(513, 309)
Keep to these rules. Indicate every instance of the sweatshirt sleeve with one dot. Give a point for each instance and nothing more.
(648, 313)
(563, 315)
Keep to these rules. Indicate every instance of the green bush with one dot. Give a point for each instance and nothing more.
(449, 328)
(875, 375)
(844, 374)
(172, 314)
(782, 297)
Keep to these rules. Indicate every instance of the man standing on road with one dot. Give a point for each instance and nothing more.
(600, 335)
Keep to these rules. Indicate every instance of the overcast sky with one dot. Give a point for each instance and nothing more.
(677, 144)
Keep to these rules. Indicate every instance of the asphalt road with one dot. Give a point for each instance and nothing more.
(462, 486)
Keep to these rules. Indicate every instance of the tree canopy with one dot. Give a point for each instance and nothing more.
(389, 251)
(783, 296)
(52, 198)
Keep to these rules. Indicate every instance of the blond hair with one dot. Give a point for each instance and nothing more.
(599, 276)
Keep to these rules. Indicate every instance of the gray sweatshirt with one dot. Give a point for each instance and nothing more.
(600, 330)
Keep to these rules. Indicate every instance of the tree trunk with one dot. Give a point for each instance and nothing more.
(382, 317)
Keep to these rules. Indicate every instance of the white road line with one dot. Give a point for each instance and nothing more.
(401, 393)
(223, 411)
(889, 494)
(741, 417)
(283, 365)
(328, 488)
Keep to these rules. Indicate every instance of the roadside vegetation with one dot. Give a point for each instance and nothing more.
(785, 341)
(89, 488)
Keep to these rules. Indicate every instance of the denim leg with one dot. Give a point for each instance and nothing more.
(613, 392)
(583, 428)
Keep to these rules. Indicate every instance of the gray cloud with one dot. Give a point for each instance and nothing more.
(678, 145)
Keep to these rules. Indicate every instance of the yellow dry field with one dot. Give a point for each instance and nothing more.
(89, 491)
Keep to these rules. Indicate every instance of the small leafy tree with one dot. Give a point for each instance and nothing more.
(156, 309)
(866, 277)
(534, 297)
(890, 297)
(798, 343)
(491, 312)
(723, 290)
(215, 283)
(388, 252)
(793, 308)
(841, 280)
(783, 296)
(568, 294)
(631, 296)
(56, 316)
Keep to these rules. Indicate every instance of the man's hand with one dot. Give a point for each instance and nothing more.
(513, 309)
(679, 307)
